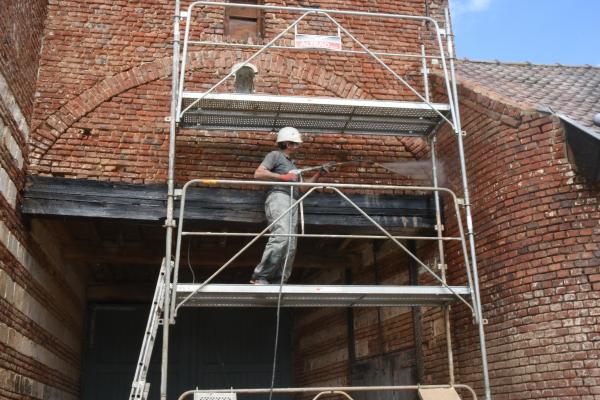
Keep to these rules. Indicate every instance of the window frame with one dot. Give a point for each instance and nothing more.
(243, 14)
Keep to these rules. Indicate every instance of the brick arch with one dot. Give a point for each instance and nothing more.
(51, 128)
(54, 126)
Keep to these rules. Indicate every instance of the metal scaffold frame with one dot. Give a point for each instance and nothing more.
(311, 187)
(174, 294)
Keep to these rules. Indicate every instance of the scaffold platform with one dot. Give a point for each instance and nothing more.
(247, 295)
(311, 114)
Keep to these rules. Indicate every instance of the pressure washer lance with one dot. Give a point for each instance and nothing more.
(323, 169)
(400, 167)
(395, 167)
(325, 166)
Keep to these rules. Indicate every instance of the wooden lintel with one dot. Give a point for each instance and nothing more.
(60, 197)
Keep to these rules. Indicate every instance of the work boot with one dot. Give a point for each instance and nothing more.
(259, 281)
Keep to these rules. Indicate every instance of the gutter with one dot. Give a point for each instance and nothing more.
(583, 146)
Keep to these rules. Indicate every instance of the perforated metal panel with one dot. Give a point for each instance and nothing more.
(214, 396)
(225, 295)
(319, 115)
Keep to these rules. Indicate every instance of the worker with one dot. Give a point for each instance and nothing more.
(278, 166)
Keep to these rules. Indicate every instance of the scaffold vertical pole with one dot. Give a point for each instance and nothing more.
(425, 71)
(470, 231)
(169, 223)
(442, 260)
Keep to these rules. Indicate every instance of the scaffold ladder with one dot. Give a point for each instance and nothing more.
(139, 387)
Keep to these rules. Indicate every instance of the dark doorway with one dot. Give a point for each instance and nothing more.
(209, 349)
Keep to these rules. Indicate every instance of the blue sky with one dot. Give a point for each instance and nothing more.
(539, 31)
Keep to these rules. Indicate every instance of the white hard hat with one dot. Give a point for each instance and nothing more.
(289, 134)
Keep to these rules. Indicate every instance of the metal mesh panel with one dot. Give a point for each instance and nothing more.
(218, 295)
(316, 109)
(214, 396)
(397, 112)
(320, 115)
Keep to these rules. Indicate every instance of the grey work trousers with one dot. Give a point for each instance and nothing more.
(272, 264)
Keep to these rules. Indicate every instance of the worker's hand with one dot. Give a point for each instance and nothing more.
(289, 177)
(321, 172)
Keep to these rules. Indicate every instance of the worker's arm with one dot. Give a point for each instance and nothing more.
(263, 174)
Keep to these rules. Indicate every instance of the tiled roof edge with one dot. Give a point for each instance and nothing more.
(527, 63)
(482, 90)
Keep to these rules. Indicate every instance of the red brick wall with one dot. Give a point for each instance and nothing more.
(21, 28)
(321, 343)
(104, 85)
(41, 299)
(104, 96)
(105, 70)
(537, 240)
(537, 237)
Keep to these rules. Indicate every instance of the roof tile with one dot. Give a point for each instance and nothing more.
(570, 90)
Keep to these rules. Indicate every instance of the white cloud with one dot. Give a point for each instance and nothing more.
(467, 6)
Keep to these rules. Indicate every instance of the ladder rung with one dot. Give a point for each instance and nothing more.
(139, 387)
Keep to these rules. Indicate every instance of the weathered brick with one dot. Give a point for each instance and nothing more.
(535, 220)
(524, 239)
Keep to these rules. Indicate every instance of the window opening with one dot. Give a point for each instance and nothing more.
(243, 24)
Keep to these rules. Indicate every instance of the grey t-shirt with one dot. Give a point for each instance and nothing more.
(277, 162)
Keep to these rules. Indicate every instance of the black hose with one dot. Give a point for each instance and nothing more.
(278, 318)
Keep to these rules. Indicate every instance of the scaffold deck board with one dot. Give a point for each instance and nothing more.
(438, 394)
(246, 295)
(313, 114)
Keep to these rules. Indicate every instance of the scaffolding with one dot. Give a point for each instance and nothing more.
(259, 112)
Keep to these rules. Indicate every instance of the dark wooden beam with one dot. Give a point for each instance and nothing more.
(60, 197)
